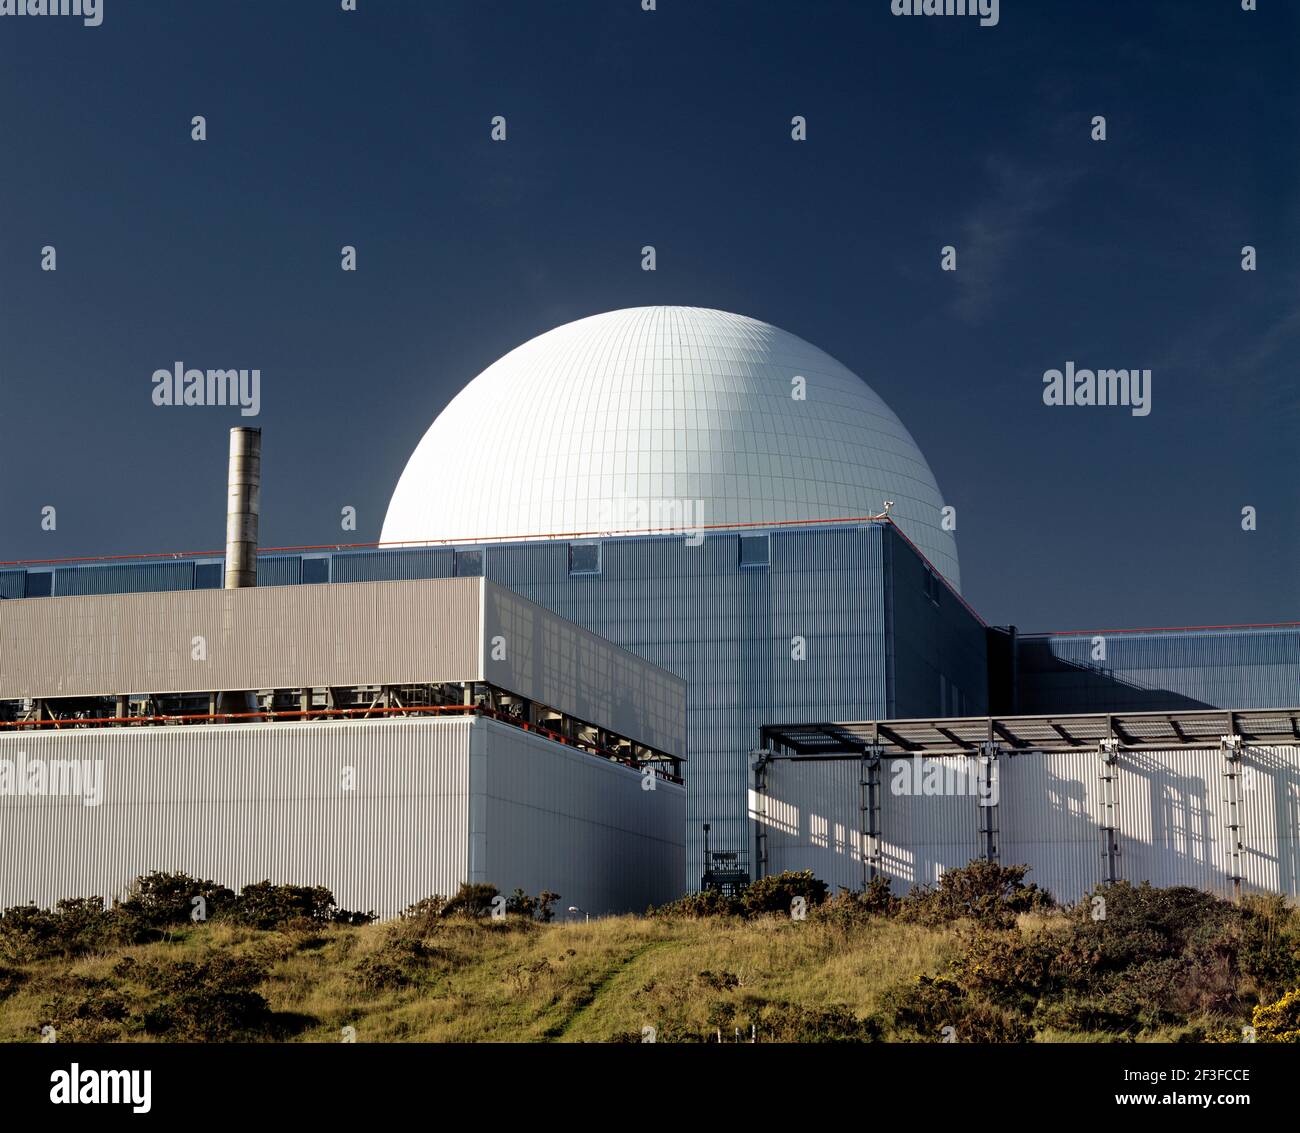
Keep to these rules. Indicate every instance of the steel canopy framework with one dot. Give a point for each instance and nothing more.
(1205, 797)
(1127, 731)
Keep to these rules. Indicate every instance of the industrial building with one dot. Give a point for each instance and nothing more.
(735, 508)
(388, 740)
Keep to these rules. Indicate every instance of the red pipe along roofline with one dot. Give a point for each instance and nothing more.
(269, 715)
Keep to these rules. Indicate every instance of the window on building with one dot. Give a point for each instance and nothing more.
(932, 586)
(316, 570)
(584, 558)
(468, 564)
(207, 576)
(40, 583)
(755, 551)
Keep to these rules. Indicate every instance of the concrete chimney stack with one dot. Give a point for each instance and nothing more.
(243, 502)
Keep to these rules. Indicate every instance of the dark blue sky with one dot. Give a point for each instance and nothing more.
(670, 128)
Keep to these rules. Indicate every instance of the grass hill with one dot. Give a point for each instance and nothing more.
(981, 958)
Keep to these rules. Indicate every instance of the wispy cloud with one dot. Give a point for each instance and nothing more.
(998, 225)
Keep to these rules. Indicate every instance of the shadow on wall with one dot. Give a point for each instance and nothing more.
(1050, 684)
(1172, 822)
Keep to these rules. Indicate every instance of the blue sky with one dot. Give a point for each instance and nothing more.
(670, 128)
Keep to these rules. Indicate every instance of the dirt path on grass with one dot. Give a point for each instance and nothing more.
(623, 970)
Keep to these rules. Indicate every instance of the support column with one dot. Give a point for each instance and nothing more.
(1109, 753)
(760, 761)
(989, 784)
(1232, 749)
(869, 782)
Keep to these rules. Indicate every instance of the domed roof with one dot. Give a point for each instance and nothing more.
(619, 421)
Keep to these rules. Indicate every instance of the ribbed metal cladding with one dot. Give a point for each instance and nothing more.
(243, 803)
(279, 570)
(554, 662)
(733, 634)
(1158, 671)
(13, 583)
(250, 638)
(379, 566)
(814, 821)
(549, 817)
(1172, 821)
(117, 578)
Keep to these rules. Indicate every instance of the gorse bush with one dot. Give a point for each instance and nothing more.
(767, 895)
(1278, 1022)
(156, 904)
(777, 893)
(988, 892)
(213, 1000)
(161, 900)
(477, 900)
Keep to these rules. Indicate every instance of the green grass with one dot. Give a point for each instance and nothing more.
(491, 982)
(979, 958)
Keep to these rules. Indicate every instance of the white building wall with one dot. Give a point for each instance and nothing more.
(550, 817)
(246, 802)
(1171, 814)
(241, 803)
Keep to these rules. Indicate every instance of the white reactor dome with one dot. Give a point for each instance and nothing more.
(663, 417)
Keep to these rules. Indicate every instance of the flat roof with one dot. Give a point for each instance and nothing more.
(1132, 731)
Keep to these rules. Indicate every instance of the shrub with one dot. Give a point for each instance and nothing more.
(850, 909)
(799, 1023)
(392, 965)
(1278, 1022)
(161, 900)
(705, 903)
(938, 1009)
(263, 905)
(1270, 944)
(471, 900)
(75, 926)
(1007, 968)
(532, 908)
(985, 891)
(776, 893)
(83, 1009)
(212, 1000)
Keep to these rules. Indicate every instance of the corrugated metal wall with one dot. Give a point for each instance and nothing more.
(272, 637)
(279, 570)
(1171, 812)
(377, 566)
(1159, 671)
(117, 578)
(531, 651)
(939, 651)
(13, 584)
(731, 633)
(315, 636)
(240, 803)
(549, 817)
